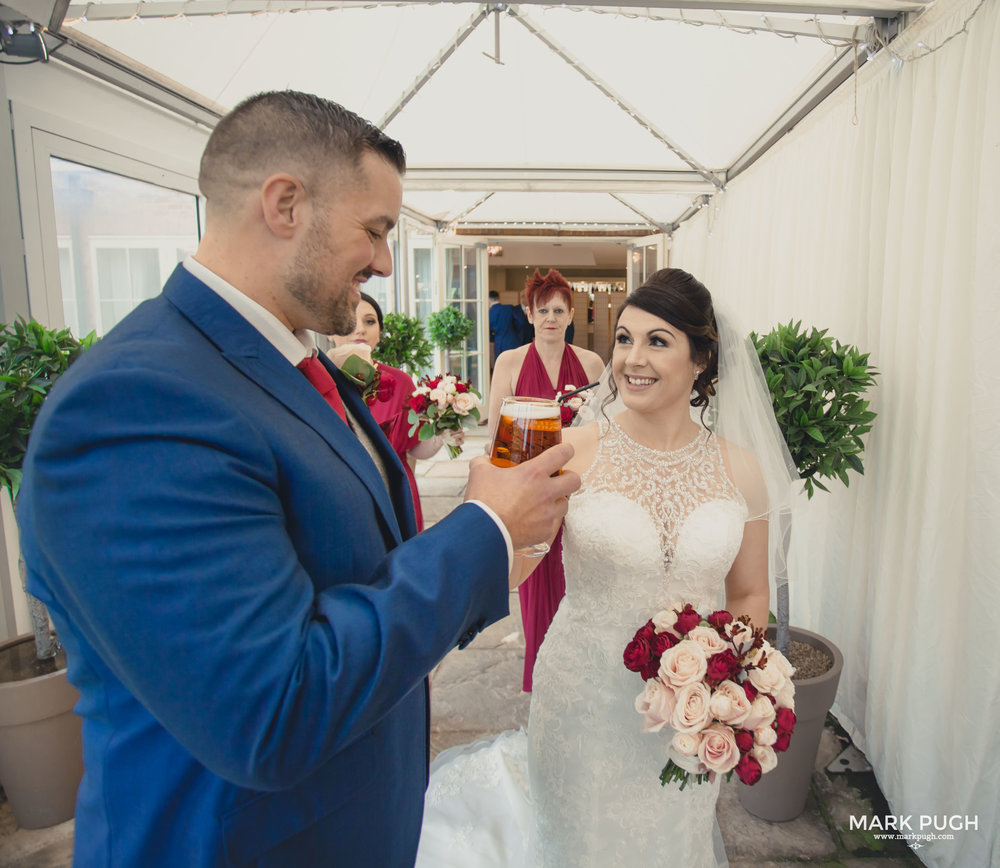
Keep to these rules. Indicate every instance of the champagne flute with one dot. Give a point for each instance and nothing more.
(526, 428)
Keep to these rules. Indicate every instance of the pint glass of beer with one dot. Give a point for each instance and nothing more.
(526, 428)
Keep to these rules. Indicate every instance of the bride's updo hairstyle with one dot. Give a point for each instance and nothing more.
(539, 290)
(683, 301)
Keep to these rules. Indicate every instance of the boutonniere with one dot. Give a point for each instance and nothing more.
(362, 374)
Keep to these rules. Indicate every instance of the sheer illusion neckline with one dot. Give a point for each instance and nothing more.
(670, 456)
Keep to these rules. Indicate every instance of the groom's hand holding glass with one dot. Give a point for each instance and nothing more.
(529, 498)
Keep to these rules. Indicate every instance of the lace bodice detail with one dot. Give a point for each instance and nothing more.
(671, 521)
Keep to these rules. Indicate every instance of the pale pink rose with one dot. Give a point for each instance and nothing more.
(769, 679)
(685, 743)
(683, 664)
(730, 704)
(718, 750)
(656, 705)
(779, 660)
(785, 697)
(664, 620)
(766, 756)
(741, 636)
(690, 764)
(464, 402)
(439, 397)
(765, 735)
(447, 385)
(421, 390)
(709, 639)
(574, 403)
(761, 713)
(691, 713)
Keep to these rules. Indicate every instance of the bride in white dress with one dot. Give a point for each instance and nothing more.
(668, 511)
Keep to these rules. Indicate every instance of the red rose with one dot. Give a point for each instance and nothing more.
(419, 403)
(647, 631)
(744, 740)
(720, 619)
(722, 666)
(782, 743)
(385, 390)
(663, 642)
(565, 415)
(748, 769)
(687, 620)
(749, 690)
(636, 655)
(650, 669)
(784, 718)
(461, 387)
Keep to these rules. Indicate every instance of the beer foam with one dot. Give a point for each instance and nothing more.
(530, 410)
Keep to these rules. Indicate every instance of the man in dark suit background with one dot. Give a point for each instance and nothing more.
(230, 563)
(509, 326)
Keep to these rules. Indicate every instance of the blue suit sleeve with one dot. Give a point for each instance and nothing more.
(171, 539)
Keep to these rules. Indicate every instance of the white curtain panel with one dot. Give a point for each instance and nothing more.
(886, 231)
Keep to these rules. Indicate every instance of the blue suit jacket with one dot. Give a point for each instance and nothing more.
(248, 630)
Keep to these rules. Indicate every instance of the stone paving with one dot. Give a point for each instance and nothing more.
(476, 692)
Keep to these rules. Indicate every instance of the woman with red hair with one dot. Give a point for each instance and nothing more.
(542, 369)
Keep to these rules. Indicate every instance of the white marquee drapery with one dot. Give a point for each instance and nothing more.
(887, 232)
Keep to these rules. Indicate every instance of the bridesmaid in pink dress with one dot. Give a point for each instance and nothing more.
(390, 405)
(541, 369)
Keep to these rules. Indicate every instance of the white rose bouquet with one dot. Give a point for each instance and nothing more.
(719, 686)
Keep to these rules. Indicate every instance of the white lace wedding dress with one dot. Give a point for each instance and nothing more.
(582, 790)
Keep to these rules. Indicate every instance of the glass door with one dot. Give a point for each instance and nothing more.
(464, 288)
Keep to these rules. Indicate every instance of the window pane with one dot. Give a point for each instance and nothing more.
(119, 239)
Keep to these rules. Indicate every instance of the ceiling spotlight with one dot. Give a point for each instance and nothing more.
(29, 44)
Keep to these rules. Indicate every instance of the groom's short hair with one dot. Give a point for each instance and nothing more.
(288, 131)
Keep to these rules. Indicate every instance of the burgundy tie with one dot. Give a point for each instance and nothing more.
(320, 377)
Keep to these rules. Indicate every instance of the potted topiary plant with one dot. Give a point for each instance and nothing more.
(40, 746)
(403, 344)
(818, 388)
(449, 328)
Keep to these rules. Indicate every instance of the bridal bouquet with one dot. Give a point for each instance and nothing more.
(443, 405)
(720, 685)
(572, 403)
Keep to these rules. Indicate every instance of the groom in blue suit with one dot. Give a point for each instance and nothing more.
(231, 565)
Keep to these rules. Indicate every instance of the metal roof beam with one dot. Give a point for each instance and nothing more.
(554, 180)
(616, 98)
(449, 49)
(193, 8)
(663, 227)
(839, 70)
(82, 52)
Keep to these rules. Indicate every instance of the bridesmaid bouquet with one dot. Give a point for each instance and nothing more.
(720, 685)
(443, 405)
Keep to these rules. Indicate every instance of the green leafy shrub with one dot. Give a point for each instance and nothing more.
(817, 388)
(403, 344)
(449, 328)
(32, 358)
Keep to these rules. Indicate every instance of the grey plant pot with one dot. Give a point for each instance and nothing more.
(781, 794)
(41, 746)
